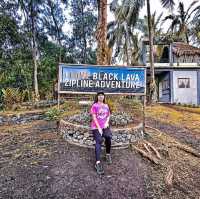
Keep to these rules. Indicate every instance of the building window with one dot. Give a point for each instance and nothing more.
(183, 82)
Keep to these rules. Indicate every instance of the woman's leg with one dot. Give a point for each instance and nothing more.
(98, 141)
(108, 136)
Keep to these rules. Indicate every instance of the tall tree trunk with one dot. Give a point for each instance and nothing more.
(60, 52)
(57, 29)
(152, 89)
(128, 45)
(84, 35)
(58, 39)
(186, 36)
(35, 74)
(127, 54)
(30, 15)
(101, 33)
(35, 57)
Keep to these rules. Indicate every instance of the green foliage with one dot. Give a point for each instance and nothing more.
(182, 21)
(121, 31)
(46, 19)
(11, 96)
(47, 70)
(83, 21)
(53, 114)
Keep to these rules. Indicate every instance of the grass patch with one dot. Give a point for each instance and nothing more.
(172, 116)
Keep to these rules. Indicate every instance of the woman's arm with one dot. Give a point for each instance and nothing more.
(97, 123)
(107, 120)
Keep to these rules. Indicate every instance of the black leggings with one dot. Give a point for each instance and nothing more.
(99, 139)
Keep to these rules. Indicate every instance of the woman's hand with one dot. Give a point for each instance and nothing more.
(100, 131)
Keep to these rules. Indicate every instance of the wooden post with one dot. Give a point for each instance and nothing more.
(144, 112)
(144, 103)
(170, 55)
(58, 98)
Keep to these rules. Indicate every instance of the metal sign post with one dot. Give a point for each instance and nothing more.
(144, 105)
(59, 75)
(144, 112)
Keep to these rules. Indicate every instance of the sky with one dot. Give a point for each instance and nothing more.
(155, 6)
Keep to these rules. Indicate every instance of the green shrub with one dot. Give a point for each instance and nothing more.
(53, 114)
(11, 96)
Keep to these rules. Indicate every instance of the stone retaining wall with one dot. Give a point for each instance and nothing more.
(20, 118)
(41, 104)
(81, 135)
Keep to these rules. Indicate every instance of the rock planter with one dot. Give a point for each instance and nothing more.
(73, 130)
(25, 117)
(22, 118)
(40, 104)
(116, 119)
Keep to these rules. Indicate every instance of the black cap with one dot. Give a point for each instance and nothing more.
(100, 93)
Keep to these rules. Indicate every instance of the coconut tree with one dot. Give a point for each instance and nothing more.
(166, 4)
(127, 14)
(195, 28)
(156, 21)
(121, 31)
(181, 21)
(102, 29)
(152, 89)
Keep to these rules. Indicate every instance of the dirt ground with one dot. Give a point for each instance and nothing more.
(35, 162)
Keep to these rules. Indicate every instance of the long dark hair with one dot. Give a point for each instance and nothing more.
(96, 97)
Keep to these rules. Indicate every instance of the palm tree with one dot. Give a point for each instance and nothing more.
(126, 13)
(166, 4)
(156, 21)
(152, 87)
(101, 32)
(121, 31)
(182, 20)
(195, 28)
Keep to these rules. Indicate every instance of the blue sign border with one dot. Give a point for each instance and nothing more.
(120, 71)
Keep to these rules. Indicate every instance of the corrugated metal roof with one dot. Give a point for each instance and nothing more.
(180, 48)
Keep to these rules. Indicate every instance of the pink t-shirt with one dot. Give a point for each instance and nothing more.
(102, 112)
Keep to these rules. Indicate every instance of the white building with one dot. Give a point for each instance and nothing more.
(177, 72)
